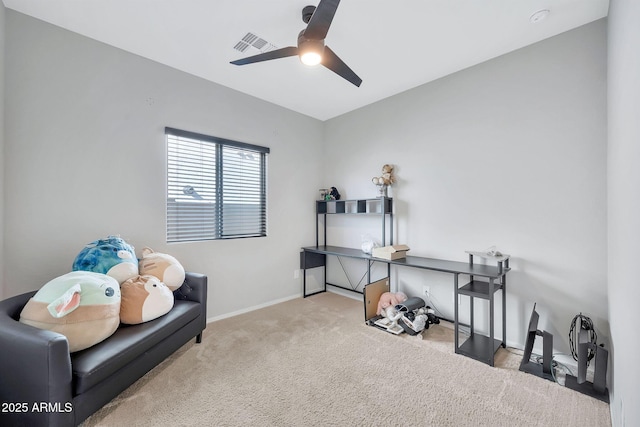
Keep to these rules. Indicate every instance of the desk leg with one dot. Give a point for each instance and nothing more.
(455, 311)
(304, 283)
(389, 276)
(491, 312)
(471, 304)
(324, 276)
(504, 311)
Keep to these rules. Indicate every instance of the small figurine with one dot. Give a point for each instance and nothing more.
(334, 194)
(387, 177)
(328, 194)
(385, 180)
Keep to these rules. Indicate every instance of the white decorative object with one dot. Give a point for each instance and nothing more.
(368, 244)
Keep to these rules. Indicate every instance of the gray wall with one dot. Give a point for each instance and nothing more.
(85, 138)
(2, 179)
(511, 153)
(624, 206)
(508, 153)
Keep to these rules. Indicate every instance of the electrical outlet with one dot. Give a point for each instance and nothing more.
(426, 290)
(296, 274)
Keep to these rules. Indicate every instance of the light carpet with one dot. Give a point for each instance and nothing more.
(313, 362)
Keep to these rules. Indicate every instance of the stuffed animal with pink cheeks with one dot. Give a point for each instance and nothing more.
(390, 299)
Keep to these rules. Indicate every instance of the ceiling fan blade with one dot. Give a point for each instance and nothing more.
(335, 64)
(320, 22)
(274, 54)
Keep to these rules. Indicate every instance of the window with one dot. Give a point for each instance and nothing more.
(216, 188)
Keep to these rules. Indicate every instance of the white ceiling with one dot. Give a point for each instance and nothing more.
(393, 45)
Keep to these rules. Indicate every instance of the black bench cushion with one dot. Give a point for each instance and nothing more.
(96, 363)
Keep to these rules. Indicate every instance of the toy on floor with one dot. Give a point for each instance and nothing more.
(419, 320)
(389, 321)
(111, 256)
(83, 306)
(390, 299)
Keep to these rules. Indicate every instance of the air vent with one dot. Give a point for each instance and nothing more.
(255, 42)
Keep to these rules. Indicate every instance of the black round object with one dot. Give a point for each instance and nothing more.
(307, 11)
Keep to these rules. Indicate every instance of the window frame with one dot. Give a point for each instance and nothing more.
(217, 206)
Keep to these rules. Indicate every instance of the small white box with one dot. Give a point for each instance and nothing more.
(390, 252)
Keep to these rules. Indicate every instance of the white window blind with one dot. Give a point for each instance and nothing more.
(216, 188)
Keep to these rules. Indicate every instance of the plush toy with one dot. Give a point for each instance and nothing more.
(330, 193)
(335, 195)
(163, 266)
(387, 177)
(390, 299)
(144, 298)
(81, 305)
(111, 256)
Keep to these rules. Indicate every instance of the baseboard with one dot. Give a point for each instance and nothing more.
(253, 308)
(278, 301)
(344, 293)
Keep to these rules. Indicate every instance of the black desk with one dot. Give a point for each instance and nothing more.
(477, 346)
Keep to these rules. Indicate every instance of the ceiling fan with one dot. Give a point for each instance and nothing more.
(311, 48)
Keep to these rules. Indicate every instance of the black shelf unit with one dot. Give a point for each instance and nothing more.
(314, 257)
(381, 206)
(478, 346)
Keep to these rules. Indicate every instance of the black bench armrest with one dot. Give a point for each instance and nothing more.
(35, 369)
(194, 288)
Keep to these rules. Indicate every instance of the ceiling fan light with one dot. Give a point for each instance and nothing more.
(309, 50)
(310, 58)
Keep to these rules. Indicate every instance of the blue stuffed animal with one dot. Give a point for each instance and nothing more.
(111, 256)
